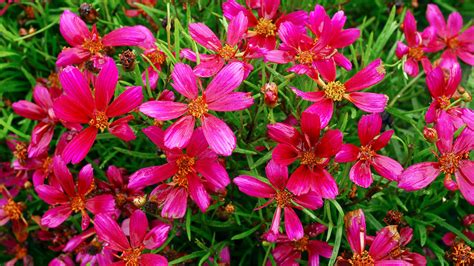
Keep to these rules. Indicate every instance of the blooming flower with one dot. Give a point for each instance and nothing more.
(264, 27)
(218, 96)
(453, 159)
(11, 210)
(334, 91)
(110, 232)
(89, 44)
(284, 199)
(71, 197)
(457, 43)
(195, 172)
(417, 45)
(92, 251)
(366, 155)
(313, 152)
(79, 104)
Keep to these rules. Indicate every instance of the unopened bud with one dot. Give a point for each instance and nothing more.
(230, 208)
(449, 183)
(270, 94)
(88, 13)
(466, 97)
(468, 220)
(139, 201)
(27, 185)
(127, 59)
(430, 134)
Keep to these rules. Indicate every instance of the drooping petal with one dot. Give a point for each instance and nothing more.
(110, 232)
(293, 226)
(368, 101)
(121, 129)
(299, 182)
(310, 200)
(465, 180)
(283, 133)
(105, 83)
(220, 137)
(29, 110)
(198, 192)
(163, 110)
(184, 80)
(387, 167)
(56, 216)
(347, 153)
(227, 80)
(209, 68)
(157, 236)
(254, 187)
(411, 67)
(151, 175)
(356, 230)
(372, 74)
(323, 184)
(64, 176)
(204, 36)
(323, 109)
(72, 28)
(156, 135)
(360, 174)
(179, 134)
(76, 150)
(369, 127)
(275, 227)
(418, 176)
(385, 241)
(152, 260)
(125, 36)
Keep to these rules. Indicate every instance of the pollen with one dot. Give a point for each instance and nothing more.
(227, 52)
(156, 57)
(78, 204)
(13, 209)
(452, 43)
(449, 162)
(334, 90)
(265, 27)
(21, 151)
(380, 69)
(283, 198)
(444, 102)
(361, 259)
(366, 153)
(301, 244)
(131, 256)
(185, 166)
(461, 254)
(197, 107)
(305, 57)
(93, 45)
(309, 158)
(416, 53)
(100, 121)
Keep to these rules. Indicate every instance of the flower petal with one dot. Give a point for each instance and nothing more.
(198, 192)
(227, 80)
(157, 236)
(151, 175)
(51, 195)
(180, 132)
(220, 137)
(329, 144)
(56, 216)
(72, 56)
(104, 203)
(299, 182)
(254, 187)
(293, 226)
(311, 126)
(138, 228)
(418, 176)
(76, 150)
(324, 110)
(184, 80)
(356, 230)
(369, 127)
(163, 110)
(110, 232)
(348, 153)
(63, 175)
(84, 181)
(175, 204)
(105, 84)
(29, 110)
(368, 101)
(125, 36)
(323, 184)
(237, 29)
(76, 86)
(234, 101)
(360, 174)
(72, 28)
(277, 174)
(204, 36)
(387, 167)
(213, 172)
(67, 109)
(285, 154)
(152, 260)
(385, 241)
(372, 74)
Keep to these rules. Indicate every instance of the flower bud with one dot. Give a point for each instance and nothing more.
(139, 201)
(449, 183)
(466, 97)
(270, 94)
(127, 59)
(88, 13)
(430, 134)
(468, 220)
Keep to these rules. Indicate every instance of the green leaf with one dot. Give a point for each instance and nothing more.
(246, 233)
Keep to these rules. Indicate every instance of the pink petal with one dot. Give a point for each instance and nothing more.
(409, 28)
(67, 109)
(105, 84)
(163, 110)
(151, 175)
(467, 57)
(153, 77)
(237, 29)
(435, 82)
(360, 174)
(84, 181)
(369, 102)
(277, 174)
(299, 182)
(346, 38)
(382, 140)
(220, 137)
(293, 226)
(465, 180)
(213, 172)
(387, 167)
(275, 227)
(63, 175)
(156, 135)
(311, 127)
(278, 56)
(283, 133)
(152, 260)
(56, 216)
(401, 50)
(324, 184)
(138, 228)
(227, 80)
(101, 204)
(72, 28)
(330, 144)
(51, 195)
(254, 187)
(231, 8)
(327, 69)
(72, 56)
(157, 236)
(348, 153)
(445, 131)
(175, 204)
(125, 36)
(369, 127)
(367, 77)
(198, 192)
(310, 200)
(76, 150)
(184, 81)
(121, 129)
(76, 86)
(284, 154)
(411, 67)
(180, 132)
(204, 36)
(109, 231)
(464, 142)
(234, 101)
(418, 176)
(436, 18)
(385, 241)
(324, 109)
(342, 61)
(454, 24)
(356, 230)
(29, 110)
(208, 68)
(198, 146)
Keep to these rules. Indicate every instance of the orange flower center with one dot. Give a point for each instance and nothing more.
(265, 27)
(78, 203)
(21, 151)
(283, 198)
(461, 254)
(305, 57)
(185, 166)
(197, 107)
(156, 57)
(334, 90)
(449, 162)
(366, 153)
(415, 53)
(301, 244)
(362, 259)
(227, 52)
(20, 252)
(444, 102)
(131, 256)
(100, 121)
(452, 43)
(94, 46)
(310, 159)
(12, 209)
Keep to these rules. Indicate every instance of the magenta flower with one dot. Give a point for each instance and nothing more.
(89, 44)
(335, 91)
(457, 43)
(313, 152)
(418, 44)
(228, 51)
(110, 232)
(366, 155)
(218, 96)
(284, 199)
(88, 249)
(195, 172)
(71, 197)
(264, 27)
(453, 159)
(79, 104)
(289, 252)
(320, 25)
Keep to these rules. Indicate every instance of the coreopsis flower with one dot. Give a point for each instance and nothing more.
(80, 104)
(450, 238)
(289, 252)
(453, 159)
(72, 197)
(218, 96)
(335, 91)
(12, 211)
(195, 172)
(228, 51)
(89, 249)
(338, 37)
(365, 156)
(386, 240)
(417, 45)
(17, 250)
(89, 44)
(456, 43)
(264, 27)
(131, 250)
(313, 151)
(285, 200)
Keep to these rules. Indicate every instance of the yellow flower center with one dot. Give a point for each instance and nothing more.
(301, 244)
(283, 198)
(362, 259)
(452, 43)
(94, 46)
(21, 151)
(310, 159)
(227, 52)
(366, 153)
(197, 107)
(78, 204)
(305, 57)
(335, 90)
(12, 209)
(100, 121)
(131, 256)
(449, 162)
(461, 254)
(416, 53)
(265, 27)
(185, 166)
(156, 57)
(444, 102)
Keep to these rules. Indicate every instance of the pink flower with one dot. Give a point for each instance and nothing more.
(453, 159)
(288, 252)
(264, 27)
(284, 199)
(72, 197)
(335, 91)
(228, 51)
(195, 172)
(86, 44)
(450, 37)
(366, 155)
(218, 96)
(88, 249)
(79, 104)
(313, 152)
(110, 232)
(386, 240)
(417, 45)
